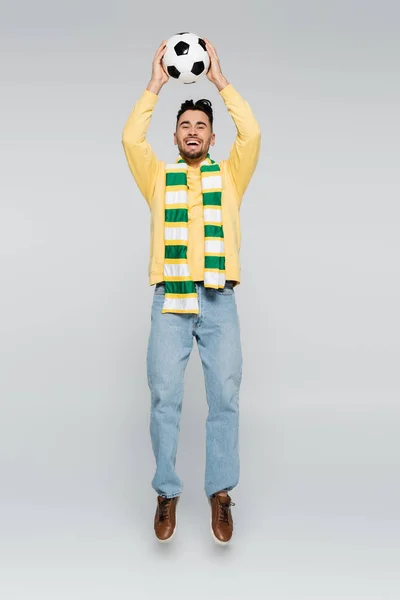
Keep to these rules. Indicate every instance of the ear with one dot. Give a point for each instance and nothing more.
(212, 140)
(175, 140)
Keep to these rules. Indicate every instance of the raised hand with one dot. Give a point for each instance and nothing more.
(214, 73)
(159, 75)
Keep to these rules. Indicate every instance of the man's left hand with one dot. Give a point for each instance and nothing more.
(214, 73)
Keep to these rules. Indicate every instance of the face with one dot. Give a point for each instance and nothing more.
(193, 135)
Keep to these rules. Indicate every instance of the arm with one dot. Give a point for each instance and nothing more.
(245, 150)
(142, 161)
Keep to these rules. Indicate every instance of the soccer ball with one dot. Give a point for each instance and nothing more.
(186, 57)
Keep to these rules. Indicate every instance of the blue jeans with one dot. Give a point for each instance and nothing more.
(217, 332)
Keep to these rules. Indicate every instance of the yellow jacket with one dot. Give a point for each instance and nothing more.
(236, 173)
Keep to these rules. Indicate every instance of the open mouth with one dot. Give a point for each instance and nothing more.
(192, 143)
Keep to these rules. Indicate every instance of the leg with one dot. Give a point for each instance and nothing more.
(169, 348)
(218, 338)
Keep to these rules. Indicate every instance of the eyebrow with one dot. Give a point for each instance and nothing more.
(188, 123)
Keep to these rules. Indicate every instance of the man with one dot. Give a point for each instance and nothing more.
(194, 264)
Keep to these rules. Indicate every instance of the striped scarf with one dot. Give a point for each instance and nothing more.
(180, 290)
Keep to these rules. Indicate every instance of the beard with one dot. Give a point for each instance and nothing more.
(192, 154)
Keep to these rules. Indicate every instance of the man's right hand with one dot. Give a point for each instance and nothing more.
(159, 76)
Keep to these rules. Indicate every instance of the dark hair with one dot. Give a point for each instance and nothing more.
(203, 104)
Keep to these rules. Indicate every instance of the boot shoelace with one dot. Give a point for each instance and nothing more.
(165, 505)
(224, 510)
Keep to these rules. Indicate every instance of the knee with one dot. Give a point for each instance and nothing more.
(226, 399)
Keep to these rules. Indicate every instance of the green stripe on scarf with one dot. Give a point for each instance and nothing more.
(175, 251)
(176, 215)
(213, 231)
(215, 262)
(180, 287)
(212, 198)
(210, 168)
(176, 179)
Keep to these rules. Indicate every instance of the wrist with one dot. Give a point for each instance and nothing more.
(221, 82)
(154, 86)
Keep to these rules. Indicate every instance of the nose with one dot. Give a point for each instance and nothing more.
(194, 129)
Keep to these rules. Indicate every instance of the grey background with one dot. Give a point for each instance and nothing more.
(316, 510)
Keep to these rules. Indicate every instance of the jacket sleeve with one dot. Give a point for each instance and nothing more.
(245, 150)
(142, 161)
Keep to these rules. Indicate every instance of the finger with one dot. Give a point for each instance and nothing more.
(209, 44)
(160, 50)
(158, 57)
(165, 71)
(212, 52)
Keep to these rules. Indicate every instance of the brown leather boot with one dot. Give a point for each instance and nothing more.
(165, 518)
(221, 518)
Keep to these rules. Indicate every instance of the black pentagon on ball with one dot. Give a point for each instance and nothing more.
(203, 44)
(182, 33)
(181, 48)
(173, 71)
(198, 68)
